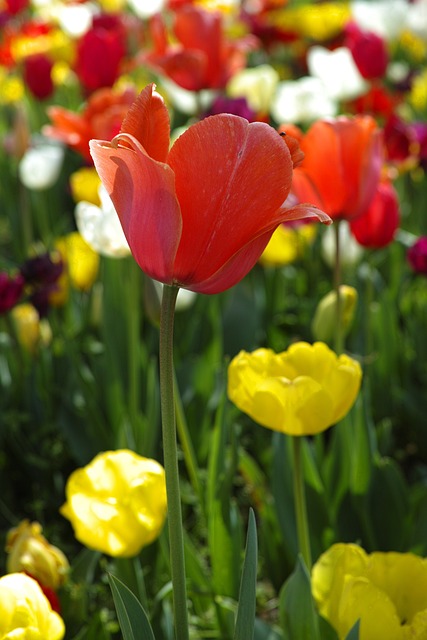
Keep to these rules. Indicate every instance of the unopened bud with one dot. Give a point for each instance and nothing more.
(29, 551)
(325, 321)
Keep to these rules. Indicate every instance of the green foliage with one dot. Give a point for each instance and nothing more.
(134, 622)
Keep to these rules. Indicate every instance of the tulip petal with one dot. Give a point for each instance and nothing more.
(222, 166)
(362, 160)
(322, 166)
(148, 121)
(143, 194)
(306, 211)
(235, 269)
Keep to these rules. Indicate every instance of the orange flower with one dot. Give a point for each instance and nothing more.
(341, 167)
(200, 214)
(101, 118)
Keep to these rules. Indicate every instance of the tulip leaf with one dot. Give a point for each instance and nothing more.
(297, 613)
(244, 629)
(353, 634)
(133, 620)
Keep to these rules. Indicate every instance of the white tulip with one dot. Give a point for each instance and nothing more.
(302, 101)
(257, 85)
(101, 228)
(41, 164)
(337, 71)
(386, 18)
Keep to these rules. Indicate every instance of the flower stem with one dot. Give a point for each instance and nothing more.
(339, 337)
(300, 503)
(170, 459)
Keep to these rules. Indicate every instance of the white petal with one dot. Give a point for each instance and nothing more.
(41, 165)
(338, 72)
(302, 101)
(101, 228)
(386, 18)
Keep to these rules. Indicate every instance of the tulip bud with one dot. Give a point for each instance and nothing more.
(29, 551)
(324, 324)
(26, 321)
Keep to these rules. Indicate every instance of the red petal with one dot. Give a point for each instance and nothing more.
(143, 193)
(148, 121)
(231, 180)
(236, 268)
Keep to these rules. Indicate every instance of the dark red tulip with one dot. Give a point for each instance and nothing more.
(11, 288)
(417, 256)
(100, 53)
(369, 51)
(38, 75)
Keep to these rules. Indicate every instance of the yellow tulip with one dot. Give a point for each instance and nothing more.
(117, 503)
(81, 266)
(386, 591)
(25, 612)
(84, 184)
(256, 84)
(301, 391)
(287, 244)
(27, 325)
(29, 551)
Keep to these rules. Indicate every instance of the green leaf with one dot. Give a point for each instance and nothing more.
(353, 634)
(133, 620)
(297, 613)
(245, 620)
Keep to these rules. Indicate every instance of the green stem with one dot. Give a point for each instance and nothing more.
(133, 319)
(339, 336)
(170, 459)
(300, 502)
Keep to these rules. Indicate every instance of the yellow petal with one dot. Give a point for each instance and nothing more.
(361, 599)
(403, 576)
(117, 503)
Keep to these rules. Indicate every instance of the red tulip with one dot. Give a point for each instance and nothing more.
(376, 227)
(11, 288)
(101, 118)
(369, 51)
(100, 53)
(200, 214)
(417, 256)
(38, 75)
(203, 58)
(341, 167)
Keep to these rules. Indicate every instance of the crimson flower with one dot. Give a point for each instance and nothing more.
(203, 58)
(376, 227)
(200, 214)
(369, 51)
(11, 288)
(37, 75)
(417, 256)
(101, 118)
(341, 167)
(100, 53)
